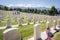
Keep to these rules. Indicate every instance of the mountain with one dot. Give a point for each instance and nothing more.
(43, 8)
(2, 6)
(39, 8)
(58, 8)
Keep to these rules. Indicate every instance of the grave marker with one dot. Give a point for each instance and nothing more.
(20, 21)
(48, 23)
(11, 34)
(8, 23)
(37, 32)
(59, 23)
(54, 24)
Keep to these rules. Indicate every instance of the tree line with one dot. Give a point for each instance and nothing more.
(51, 11)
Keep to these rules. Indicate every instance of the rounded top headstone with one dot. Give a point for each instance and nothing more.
(36, 25)
(54, 20)
(47, 22)
(11, 34)
(9, 30)
(58, 19)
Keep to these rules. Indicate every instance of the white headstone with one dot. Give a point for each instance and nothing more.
(54, 24)
(2, 15)
(59, 22)
(34, 20)
(20, 21)
(39, 20)
(15, 18)
(48, 24)
(28, 20)
(8, 23)
(11, 34)
(37, 32)
(0, 18)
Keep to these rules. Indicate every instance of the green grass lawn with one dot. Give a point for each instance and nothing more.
(2, 23)
(56, 36)
(26, 31)
(1, 34)
(14, 23)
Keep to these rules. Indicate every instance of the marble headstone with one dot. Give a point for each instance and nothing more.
(37, 32)
(11, 34)
(20, 21)
(48, 24)
(54, 24)
(8, 23)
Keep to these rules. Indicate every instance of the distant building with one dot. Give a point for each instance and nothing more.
(15, 12)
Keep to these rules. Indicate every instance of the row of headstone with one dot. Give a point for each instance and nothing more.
(7, 35)
(28, 21)
(13, 33)
(2, 15)
(42, 17)
(15, 15)
(37, 32)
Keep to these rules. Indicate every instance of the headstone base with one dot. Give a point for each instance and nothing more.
(20, 25)
(56, 30)
(8, 27)
(28, 23)
(39, 22)
(58, 26)
(34, 22)
(39, 39)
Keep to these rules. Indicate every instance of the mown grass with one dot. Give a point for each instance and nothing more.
(56, 36)
(26, 31)
(14, 23)
(1, 34)
(2, 23)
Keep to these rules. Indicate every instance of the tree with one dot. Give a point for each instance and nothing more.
(24, 10)
(46, 12)
(31, 10)
(58, 12)
(19, 9)
(0, 8)
(35, 10)
(6, 8)
(53, 11)
(11, 9)
(38, 11)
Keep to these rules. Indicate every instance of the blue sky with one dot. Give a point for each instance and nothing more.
(31, 3)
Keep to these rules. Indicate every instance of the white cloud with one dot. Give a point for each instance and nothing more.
(10, 5)
(24, 5)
